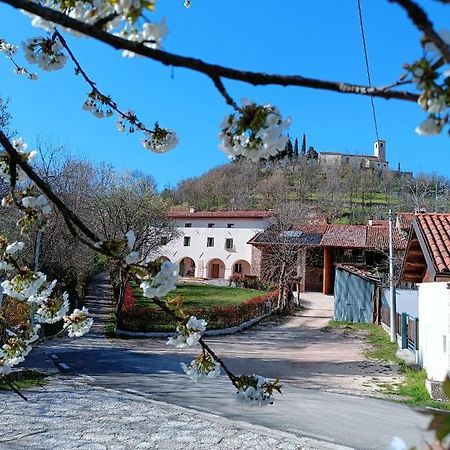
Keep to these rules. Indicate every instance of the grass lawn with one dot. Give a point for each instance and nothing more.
(203, 295)
(221, 307)
(413, 390)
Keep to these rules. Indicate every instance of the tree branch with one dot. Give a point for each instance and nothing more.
(228, 99)
(210, 70)
(421, 21)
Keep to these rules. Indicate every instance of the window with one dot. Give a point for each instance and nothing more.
(230, 225)
(238, 268)
(163, 240)
(210, 242)
(211, 225)
(228, 244)
(188, 225)
(187, 241)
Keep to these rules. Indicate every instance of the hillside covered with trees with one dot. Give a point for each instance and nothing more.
(340, 193)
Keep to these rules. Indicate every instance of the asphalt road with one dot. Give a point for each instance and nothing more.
(309, 360)
(351, 421)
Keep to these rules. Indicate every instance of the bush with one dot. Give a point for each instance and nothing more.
(250, 282)
(145, 318)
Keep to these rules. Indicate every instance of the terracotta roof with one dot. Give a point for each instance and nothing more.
(220, 214)
(378, 237)
(347, 236)
(435, 229)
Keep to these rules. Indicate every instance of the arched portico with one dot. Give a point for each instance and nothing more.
(216, 268)
(186, 267)
(241, 267)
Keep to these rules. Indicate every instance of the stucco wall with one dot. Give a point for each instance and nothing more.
(434, 310)
(242, 231)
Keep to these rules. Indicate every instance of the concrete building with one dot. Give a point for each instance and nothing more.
(215, 244)
(377, 161)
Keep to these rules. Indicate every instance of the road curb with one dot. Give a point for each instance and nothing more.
(221, 332)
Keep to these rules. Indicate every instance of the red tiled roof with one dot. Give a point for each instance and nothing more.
(220, 214)
(350, 236)
(378, 237)
(312, 228)
(435, 230)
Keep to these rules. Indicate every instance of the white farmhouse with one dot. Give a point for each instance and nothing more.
(215, 244)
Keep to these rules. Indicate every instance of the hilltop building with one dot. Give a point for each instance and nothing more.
(376, 161)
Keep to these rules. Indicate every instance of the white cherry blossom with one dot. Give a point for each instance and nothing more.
(162, 283)
(188, 335)
(202, 368)
(14, 248)
(255, 132)
(79, 323)
(160, 140)
(428, 127)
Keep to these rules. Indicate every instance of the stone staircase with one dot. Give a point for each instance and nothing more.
(99, 300)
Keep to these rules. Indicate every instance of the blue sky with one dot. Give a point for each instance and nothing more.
(315, 39)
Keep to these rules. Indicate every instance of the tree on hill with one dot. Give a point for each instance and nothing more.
(304, 145)
(296, 154)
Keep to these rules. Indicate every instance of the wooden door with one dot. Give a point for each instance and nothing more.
(215, 269)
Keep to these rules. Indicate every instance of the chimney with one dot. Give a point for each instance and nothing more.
(370, 222)
(191, 209)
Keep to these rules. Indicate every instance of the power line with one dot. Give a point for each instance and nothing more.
(367, 67)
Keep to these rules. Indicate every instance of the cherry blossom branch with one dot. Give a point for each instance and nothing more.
(233, 378)
(421, 21)
(210, 70)
(106, 99)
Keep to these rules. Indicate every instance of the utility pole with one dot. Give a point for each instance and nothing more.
(393, 315)
(37, 250)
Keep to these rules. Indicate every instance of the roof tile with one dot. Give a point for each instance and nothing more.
(435, 230)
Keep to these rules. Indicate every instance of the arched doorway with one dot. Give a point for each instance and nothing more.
(241, 268)
(187, 267)
(216, 268)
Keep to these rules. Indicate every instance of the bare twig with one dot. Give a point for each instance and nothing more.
(106, 98)
(210, 70)
(421, 21)
(228, 99)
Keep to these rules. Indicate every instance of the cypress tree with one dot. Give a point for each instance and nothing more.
(304, 145)
(289, 149)
(296, 148)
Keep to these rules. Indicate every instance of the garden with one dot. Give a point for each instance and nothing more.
(221, 307)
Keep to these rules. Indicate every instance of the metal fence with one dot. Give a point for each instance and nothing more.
(407, 327)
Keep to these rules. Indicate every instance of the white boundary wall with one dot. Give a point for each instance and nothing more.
(434, 330)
